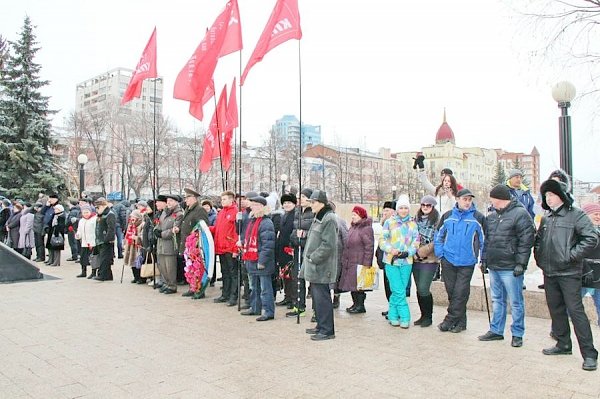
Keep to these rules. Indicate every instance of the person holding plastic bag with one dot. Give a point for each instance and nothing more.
(358, 252)
(399, 241)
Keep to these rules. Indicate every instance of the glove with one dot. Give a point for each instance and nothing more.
(518, 271)
(401, 255)
(588, 279)
(157, 233)
(259, 266)
(483, 267)
(419, 162)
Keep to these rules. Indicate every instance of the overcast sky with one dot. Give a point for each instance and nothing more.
(374, 73)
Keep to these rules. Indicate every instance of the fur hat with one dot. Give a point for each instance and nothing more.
(360, 211)
(501, 192)
(403, 201)
(389, 205)
(562, 176)
(556, 187)
(289, 198)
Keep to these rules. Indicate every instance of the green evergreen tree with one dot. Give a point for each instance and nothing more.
(500, 176)
(26, 164)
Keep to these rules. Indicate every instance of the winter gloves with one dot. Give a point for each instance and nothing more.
(519, 270)
(401, 255)
(419, 162)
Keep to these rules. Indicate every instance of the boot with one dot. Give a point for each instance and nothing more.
(336, 301)
(56, 261)
(360, 303)
(83, 272)
(93, 274)
(351, 308)
(427, 311)
(136, 275)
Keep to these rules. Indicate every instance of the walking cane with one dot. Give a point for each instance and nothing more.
(298, 284)
(122, 271)
(487, 303)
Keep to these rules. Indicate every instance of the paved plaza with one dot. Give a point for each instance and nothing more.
(78, 338)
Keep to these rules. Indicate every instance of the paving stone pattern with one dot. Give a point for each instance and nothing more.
(78, 338)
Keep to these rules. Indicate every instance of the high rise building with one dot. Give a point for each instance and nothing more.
(287, 130)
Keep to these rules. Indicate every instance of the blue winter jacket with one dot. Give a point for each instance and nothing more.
(523, 195)
(459, 238)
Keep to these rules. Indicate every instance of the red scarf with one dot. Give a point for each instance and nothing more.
(131, 231)
(251, 242)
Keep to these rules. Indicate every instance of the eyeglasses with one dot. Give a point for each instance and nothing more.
(427, 205)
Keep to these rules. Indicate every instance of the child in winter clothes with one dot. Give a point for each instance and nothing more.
(86, 232)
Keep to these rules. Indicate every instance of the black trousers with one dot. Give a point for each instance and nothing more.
(386, 285)
(229, 271)
(40, 248)
(106, 254)
(321, 295)
(298, 285)
(457, 281)
(563, 294)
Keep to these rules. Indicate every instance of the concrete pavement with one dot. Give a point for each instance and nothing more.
(78, 338)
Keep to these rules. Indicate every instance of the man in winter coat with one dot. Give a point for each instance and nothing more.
(565, 237)
(193, 214)
(226, 239)
(120, 210)
(509, 234)
(167, 247)
(319, 265)
(38, 232)
(259, 260)
(520, 191)
(283, 249)
(105, 240)
(303, 219)
(457, 243)
(72, 224)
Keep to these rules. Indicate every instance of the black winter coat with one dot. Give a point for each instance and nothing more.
(283, 238)
(591, 265)
(57, 230)
(306, 221)
(565, 237)
(14, 223)
(106, 227)
(509, 235)
(38, 222)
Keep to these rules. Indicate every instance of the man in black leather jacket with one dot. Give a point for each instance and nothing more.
(509, 234)
(565, 237)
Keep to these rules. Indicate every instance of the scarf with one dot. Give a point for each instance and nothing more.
(131, 231)
(251, 241)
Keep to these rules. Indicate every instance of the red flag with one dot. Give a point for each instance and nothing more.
(283, 25)
(231, 122)
(192, 81)
(196, 108)
(233, 38)
(145, 69)
(213, 135)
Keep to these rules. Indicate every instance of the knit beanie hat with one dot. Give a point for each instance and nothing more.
(403, 201)
(360, 211)
(429, 199)
(514, 172)
(501, 192)
(590, 208)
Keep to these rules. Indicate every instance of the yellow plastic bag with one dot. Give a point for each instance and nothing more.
(367, 278)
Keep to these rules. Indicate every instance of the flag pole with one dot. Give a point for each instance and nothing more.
(219, 141)
(155, 182)
(299, 182)
(239, 191)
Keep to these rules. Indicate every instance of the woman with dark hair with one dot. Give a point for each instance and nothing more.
(57, 229)
(425, 262)
(445, 192)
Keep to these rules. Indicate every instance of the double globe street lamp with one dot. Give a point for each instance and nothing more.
(283, 178)
(563, 93)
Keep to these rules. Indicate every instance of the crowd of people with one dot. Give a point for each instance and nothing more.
(299, 245)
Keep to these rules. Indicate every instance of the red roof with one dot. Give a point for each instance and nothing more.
(444, 133)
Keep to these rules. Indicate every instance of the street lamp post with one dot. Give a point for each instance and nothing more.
(81, 160)
(394, 188)
(563, 93)
(283, 178)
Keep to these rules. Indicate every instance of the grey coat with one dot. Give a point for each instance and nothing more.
(13, 224)
(167, 244)
(26, 239)
(320, 253)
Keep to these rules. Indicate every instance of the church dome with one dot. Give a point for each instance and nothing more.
(444, 133)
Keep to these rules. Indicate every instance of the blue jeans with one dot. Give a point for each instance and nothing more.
(595, 294)
(261, 296)
(398, 276)
(506, 287)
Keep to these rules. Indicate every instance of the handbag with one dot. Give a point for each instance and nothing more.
(94, 261)
(367, 278)
(139, 259)
(148, 269)
(57, 241)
